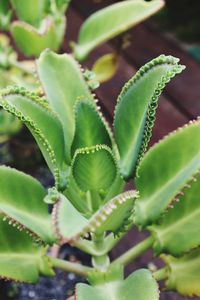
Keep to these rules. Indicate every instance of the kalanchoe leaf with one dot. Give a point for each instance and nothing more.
(20, 259)
(128, 289)
(178, 231)
(115, 216)
(165, 170)
(90, 127)
(136, 108)
(106, 67)
(112, 21)
(94, 168)
(63, 84)
(5, 14)
(184, 273)
(32, 41)
(43, 124)
(21, 202)
(31, 11)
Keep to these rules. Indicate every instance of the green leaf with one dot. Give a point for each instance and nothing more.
(106, 67)
(20, 259)
(8, 124)
(178, 231)
(114, 216)
(140, 285)
(30, 11)
(43, 124)
(136, 108)
(32, 41)
(63, 83)
(90, 127)
(184, 274)
(94, 168)
(21, 201)
(5, 15)
(165, 171)
(112, 21)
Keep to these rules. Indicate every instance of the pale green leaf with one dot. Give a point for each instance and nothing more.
(90, 127)
(21, 259)
(165, 171)
(184, 274)
(112, 21)
(63, 83)
(140, 285)
(21, 201)
(32, 41)
(136, 108)
(106, 67)
(178, 231)
(43, 124)
(94, 168)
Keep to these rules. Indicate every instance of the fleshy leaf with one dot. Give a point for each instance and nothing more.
(90, 127)
(140, 285)
(165, 170)
(94, 168)
(31, 11)
(32, 41)
(178, 231)
(106, 67)
(63, 83)
(5, 15)
(21, 201)
(112, 21)
(20, 259)
(136, 108)
(114, 216)
(43, 124)
(184, 274)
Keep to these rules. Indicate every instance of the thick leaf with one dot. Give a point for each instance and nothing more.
(140, 285)
(114, 216)
(136, 108)
(30, 11)
(63, 83)
(94, 168)
(32, 41)
(178, 231)
(112, 21)
(184, 274)
(43, 124)
(20, 259)
(8, 124)
(106, 67)
(5, 15)
(21, 201)
(165, 171)
(90, 127)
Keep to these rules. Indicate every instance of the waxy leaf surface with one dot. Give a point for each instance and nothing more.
(136, 108)
(165, 170)
(21, 201)
(112, 21)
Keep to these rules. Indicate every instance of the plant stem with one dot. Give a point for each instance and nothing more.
(70, 267)
(160, 274)
(134, 252)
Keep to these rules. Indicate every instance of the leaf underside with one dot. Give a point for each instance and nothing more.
(115, 216)
(140, 285)
(178, 231)
(112, 21)
(20, 259)
(165, 170)
(184, 274)
(136, 108)
(21, 202)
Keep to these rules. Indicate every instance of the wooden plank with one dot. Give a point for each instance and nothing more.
(148, 43)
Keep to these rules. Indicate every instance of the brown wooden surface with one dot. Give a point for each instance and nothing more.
(179, 103)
